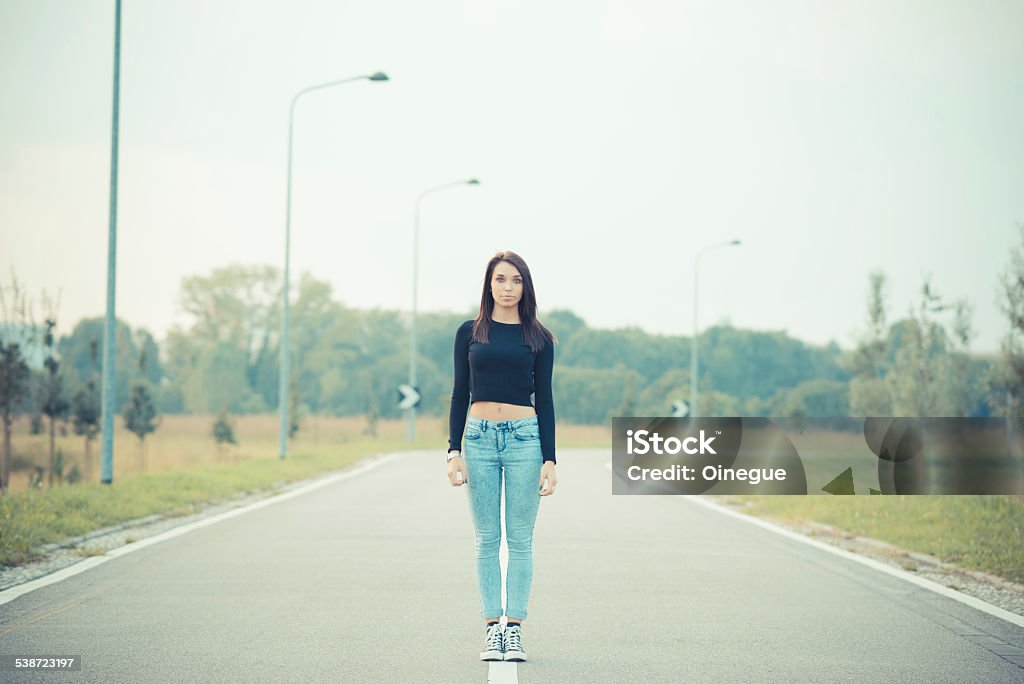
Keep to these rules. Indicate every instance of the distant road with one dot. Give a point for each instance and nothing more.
(371, 579)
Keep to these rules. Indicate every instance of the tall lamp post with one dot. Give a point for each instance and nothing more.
(282, 390)
(110, 322)
(693, 340)
(415, 283)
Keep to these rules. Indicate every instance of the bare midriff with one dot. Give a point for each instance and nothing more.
(496, 410)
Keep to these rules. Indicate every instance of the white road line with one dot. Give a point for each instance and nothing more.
(9, 595)
(502, 673)
(499, 672)
(971, 601)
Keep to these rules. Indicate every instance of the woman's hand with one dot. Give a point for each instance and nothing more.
(547, 472)
(457, 466)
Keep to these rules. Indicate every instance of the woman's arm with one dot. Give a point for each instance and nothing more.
(460, 390)
(543, 366)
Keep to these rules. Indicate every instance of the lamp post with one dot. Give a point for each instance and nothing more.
(415, 283)
(110, 322)
(693, 341)
(282, 390)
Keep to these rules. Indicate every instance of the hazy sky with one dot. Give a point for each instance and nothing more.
(612, 139)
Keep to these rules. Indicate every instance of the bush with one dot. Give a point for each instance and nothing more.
(223, 431)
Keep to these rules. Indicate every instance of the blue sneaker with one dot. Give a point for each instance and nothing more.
(514, 643)
(494, 644)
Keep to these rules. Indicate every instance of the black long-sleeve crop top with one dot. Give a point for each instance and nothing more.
(506, 370)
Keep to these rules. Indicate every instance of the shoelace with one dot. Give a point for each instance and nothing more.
(494, 639)
(513, 639)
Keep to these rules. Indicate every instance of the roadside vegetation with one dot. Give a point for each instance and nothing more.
(983, 533)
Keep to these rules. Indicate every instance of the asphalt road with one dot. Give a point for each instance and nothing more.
(371, 579)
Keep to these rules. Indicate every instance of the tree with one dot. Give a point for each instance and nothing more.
(965, 386)
(223, 431)
(226, 359)
(294, 410)
(920, 366)
(372, 405)
(16, 333)
(562, 322)
(216, 382)
(923, 380)
(1006, 380)
(869, 395)
(53, 402)
(236, 304)
(604, 390)
(14, 384)
(141, 417)
(80, 350)
(86, 409)
(628, 406)
(812, 399)
(658, 397)
(747, 363)
(86, 413)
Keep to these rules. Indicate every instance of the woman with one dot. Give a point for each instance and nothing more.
(502, 357)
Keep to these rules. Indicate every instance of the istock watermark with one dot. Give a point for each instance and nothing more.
(874, 456)
(672, 445)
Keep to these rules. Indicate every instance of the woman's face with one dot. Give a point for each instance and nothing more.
(506, 286)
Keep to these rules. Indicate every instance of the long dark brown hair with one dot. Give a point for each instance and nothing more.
(534, 334)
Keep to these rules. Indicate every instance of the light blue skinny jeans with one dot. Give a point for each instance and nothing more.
(493, 449)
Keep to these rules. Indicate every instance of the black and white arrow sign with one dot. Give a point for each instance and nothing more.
(680, 409)
(408, 397)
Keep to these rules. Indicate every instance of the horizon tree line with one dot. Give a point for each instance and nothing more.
(350, 362)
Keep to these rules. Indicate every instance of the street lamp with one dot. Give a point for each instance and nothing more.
(282, 390)
(693, 340)
(415, 282)
(109, 328)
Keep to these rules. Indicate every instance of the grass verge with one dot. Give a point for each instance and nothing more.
(983, 533)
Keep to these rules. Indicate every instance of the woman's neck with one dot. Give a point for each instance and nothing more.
(501, 317)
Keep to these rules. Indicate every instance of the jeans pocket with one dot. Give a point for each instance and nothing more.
(473, 433)
(527, 434)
